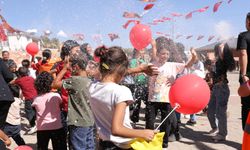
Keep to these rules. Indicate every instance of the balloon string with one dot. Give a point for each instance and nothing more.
(176, 106)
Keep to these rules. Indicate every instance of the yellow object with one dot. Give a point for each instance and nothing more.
(105, 66)
(155, 144)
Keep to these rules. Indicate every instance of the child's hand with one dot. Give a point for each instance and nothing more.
(148, 135)
(7, 142)
(192, 51)
(150, 69)
(153, 43)
(66, 63)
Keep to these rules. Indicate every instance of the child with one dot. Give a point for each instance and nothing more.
(13, 69)
(80, 118)
(45, 64)
(32, 72)
(197, 69)
(159, 87)
(68, 47)
(140, 89)
(86, 50)
(209, 79)
(110, 102)
(47, 105)
(13, 122)
(26, 83)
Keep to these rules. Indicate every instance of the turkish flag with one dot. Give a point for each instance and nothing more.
(203, 9)
(3, 36)
(148, 6)
(216, 6)
(189, 15)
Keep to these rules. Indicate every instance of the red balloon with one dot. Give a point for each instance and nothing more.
(243, 90)
(191, 93)
(23, 147)
(140, 36)
(32, 48)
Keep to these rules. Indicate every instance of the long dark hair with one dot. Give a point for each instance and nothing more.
(228, 58)
(112, 60)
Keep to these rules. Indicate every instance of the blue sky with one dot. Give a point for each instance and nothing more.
(105, 16)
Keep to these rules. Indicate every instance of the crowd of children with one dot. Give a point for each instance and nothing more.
(82, 101)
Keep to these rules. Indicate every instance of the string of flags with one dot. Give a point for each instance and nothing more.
(150, 4)
(113, 36)
(189, 15)
(78, 37)
(199, 37)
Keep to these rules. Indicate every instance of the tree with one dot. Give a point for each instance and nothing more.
(53, 43)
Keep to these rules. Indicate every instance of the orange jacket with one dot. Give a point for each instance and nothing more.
(246, 136)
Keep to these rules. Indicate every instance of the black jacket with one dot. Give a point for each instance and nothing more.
(5, 77)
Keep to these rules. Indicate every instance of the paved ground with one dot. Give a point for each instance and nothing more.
(195, 137)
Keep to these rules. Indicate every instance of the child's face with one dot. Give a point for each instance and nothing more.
(163, 55)
(140, 54)
(89, 49)
(75, 50)
(13, 69)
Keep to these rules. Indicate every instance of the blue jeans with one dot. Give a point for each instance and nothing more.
(30, 112)
(14, 132)
(82, 137)
(217, 108)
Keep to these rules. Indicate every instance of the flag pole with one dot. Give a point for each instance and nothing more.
(176, 106)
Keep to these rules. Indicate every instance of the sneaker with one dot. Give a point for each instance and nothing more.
(191, 123)
(164, 145)
(218, 138)
(32, 130)
(213, 131)
(171, 138)
(178, 136)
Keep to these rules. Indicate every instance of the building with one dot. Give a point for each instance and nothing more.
(18, 41)
(207, 51)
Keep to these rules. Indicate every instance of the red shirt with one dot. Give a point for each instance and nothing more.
(64, 93)
(27, 86)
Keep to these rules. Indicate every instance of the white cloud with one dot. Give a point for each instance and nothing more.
(32, 31)
(223, 29)
(61, 33)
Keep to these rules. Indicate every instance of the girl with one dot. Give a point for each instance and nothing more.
(159, 86)
(47, 105)
(110, 102)
(87, 51)
(45, 64)
(217, 106)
